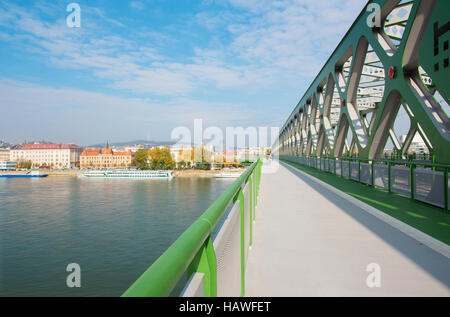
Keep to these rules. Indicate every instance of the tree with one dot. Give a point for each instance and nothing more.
(25, 164)
(141, 159)
(160, 158)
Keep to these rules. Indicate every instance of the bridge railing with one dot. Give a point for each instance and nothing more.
(423, 181)
(201, 255)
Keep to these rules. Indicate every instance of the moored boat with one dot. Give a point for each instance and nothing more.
(33, 174)
(134, 174)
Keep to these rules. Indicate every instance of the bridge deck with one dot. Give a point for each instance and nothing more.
(311, 241)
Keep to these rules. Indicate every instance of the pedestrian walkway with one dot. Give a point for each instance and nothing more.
(309, 240)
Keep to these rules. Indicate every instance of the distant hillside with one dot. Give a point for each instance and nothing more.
(145, 143)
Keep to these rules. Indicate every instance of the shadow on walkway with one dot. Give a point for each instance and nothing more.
(431, 261)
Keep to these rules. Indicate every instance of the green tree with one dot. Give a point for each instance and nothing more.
(182, 165)
(140, 159)
(26, 164)
(160, 158)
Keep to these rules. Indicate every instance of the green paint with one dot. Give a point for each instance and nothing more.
(205, 262)
(424, 43)
(242, 211)
(371, 200)
(193, 251)
(250, 201)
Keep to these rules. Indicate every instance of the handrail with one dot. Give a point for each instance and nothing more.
(163, 275)
(394, 162)
(443, 168)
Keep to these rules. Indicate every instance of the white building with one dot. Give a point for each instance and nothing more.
(56, 155)
(4, 155)
(417, 145)
(6, 166)
(181, 152)
(133, 149)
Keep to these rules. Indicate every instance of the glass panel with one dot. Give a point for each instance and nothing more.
(345, 168)
(366, 172)
(380, 176)
(354, 170)
(429, 186)
(400, 180)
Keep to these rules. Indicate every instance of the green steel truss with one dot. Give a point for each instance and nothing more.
(351, 106)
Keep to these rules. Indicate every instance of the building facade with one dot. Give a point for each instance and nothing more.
(5, 155)
(7, 166)
(105, 158)
(53, 155)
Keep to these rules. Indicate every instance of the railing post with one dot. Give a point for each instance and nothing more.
(251, 208)
(240, 197)
(254, 195)
(205, 262)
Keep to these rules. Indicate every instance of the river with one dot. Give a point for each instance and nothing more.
(114, 229)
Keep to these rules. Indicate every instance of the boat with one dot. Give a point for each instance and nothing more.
(228, 175)
(33, 174)
(134, 174)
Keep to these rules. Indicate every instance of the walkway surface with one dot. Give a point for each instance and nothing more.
(311, 241)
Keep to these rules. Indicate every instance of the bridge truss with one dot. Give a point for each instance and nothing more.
(384, 70)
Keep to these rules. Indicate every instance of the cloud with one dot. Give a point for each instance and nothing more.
(137, 5)
(277, 39)
(88, 117)
(254, 60)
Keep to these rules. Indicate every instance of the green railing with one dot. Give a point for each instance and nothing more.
(333, 164)
(193, 251)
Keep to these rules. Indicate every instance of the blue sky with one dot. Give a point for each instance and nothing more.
(138, 69)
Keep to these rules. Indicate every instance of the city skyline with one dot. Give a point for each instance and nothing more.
(145, 67)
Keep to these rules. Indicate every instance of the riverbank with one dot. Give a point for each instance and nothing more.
(203, 173)
(176, 173)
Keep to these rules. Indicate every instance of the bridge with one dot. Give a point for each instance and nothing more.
(333, 211)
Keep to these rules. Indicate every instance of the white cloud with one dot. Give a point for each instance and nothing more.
(249, 50)
(88, 117)
(137, 5)
(280, 40)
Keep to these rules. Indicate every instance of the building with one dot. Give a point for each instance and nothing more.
(5, 155)
(7, 165)
(134, 149)
(53, 155)
(182, 153)
(105, 158)
(417, 145)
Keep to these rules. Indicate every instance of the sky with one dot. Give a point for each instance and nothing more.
(139, 69)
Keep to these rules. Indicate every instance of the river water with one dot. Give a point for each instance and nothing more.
(114, 229)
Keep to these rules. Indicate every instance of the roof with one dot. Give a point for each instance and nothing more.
(105, 151)
(49, 146)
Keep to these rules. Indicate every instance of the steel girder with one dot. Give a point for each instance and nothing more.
(353, 102)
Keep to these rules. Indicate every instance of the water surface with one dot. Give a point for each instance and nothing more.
(114, 229)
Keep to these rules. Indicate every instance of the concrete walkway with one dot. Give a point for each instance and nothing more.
(310, 241)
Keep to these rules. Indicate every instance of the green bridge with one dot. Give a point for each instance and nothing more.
(332, 211)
